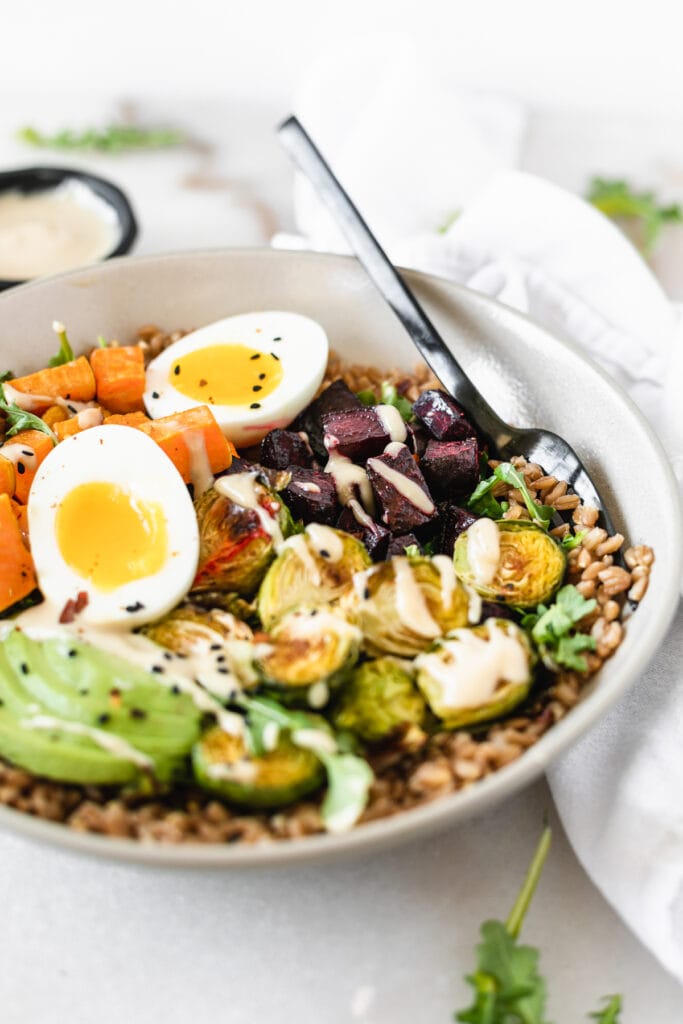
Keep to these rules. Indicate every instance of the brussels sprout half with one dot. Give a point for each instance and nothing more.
(531, 565)
(309, 653)
(223, 765)
(379, 699)
(235, 549)
(477, 674)
(302, 575)
(189, 628)
(402, 605)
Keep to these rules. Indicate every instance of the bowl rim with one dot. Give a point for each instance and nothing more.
(42, 177)
(428, 818)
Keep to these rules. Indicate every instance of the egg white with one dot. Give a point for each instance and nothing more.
(128, 458)
(299, 343)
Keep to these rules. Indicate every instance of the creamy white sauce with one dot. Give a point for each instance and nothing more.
(392, 421)
(16, 453)
(299, 545)
(89, 418)
(270, 735)
(474, 666)
(394, 448)
(350, 480)
(361, 515)
(410, 601)
(241, 489)
(33, 402)
(448, 581)
(106, 740)
(307, 486)
(483, 550)
(240, 771)
(201, 476)
(323, 538)
(318, 695)
(315, 739)
(474, 605)
(53, 230)
(409, 489)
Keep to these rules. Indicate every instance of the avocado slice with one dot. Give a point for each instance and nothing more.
(71, 712)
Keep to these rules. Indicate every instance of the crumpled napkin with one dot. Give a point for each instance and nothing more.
(414, 153)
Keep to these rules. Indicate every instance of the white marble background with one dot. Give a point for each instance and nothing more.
(386, 939)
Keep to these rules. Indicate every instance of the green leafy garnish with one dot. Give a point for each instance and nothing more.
(367, 397)
(114, 138)
(390, 396)
(348, 776)
(102, 341)
(620, 201)
(553, 629)
(483, 502)
(18, 419)
(412, 551)
(7, 375)
(572, 540)
(508, 988)
(66, 353)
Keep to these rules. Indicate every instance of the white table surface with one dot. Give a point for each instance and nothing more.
(384, 940)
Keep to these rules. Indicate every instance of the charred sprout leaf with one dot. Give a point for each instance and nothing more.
(390, 396)
(367, 397)
(18, 419)
(553, 629)
(66, 353)
(620, 201)
(348, 776)
(611, 1013)
(113, 138)
(483, 503)
(572, 541)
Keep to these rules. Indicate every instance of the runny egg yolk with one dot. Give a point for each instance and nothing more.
(226, 374)
(109, 537)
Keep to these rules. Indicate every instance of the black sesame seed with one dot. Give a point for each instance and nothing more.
(137, 713)
(220, 658)
(103, 718)
(175, 690)
(323, 553)
(314, 612)
(158, 669)
(257, 387)
(255, 405)
(27, 452)
(224, 671)
(21, 468)
(24, 668)
(277, 339)
(137, 607)
(115, 693)
(275, 357)
(72, 653)
(180, 655)
(176, 370)
(168, 656)
(72, 409)
(366, 593)
(155, 394)
(256, 355)
(261, 376)
(216, 647)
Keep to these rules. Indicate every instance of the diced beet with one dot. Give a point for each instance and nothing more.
(335, 398)
(417, 438)
(356, 433)
(490, 610)
(442, 416)
(375, 536)
(283, 448)
(451, 467)
(311, 495)
(398, 545)
(404, 500)
(454, 521)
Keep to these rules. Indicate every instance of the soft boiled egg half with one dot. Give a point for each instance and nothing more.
(111, 519)
(255, 371)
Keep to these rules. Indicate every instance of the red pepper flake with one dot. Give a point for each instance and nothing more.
(73, 608)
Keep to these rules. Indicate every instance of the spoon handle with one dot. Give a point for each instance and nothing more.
(424, 334)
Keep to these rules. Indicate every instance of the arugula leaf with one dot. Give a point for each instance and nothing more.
(552, 629)
(18, 419)
(610, 1014)
(348, 777)
(102, 341)
(620, 201)
(7, 375)
(412, 551)
(367, 397)
(66, 353)
(483, 502)
(390, 396)
(113, 138)
(572, 540)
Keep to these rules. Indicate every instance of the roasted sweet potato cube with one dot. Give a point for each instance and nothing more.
(442, 416)
(283, 448)
(400, 490)
(311, 495)
(451, 467)
(355, 433)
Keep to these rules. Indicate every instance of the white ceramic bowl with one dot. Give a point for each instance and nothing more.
(529, 377)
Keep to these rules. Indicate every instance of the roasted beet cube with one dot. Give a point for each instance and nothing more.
(490, 610)
(417, 438)
(451, 467)
(375, 536)
(336, 397)
(400, 489)
(398, 545)
(283, 448)
(442, 416)
(454, 521)
(356, 433)
(311, 495)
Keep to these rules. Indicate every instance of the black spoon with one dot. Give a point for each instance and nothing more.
(551, 452)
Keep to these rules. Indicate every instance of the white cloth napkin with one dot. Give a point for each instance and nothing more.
(413, 152)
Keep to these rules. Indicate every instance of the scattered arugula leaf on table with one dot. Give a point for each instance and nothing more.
(484, 503)
(18, 419)
(618, 200)
(113, 138)
(508, 988)
(553, 629)
(66, 353)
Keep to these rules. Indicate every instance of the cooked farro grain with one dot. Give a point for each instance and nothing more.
(416, 770)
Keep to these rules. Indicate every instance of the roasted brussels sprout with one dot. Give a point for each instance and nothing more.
(315, 568)
(309, 653)
(402, 605)
(379, 699)
(189, 629)
(474, 675)
(223, 765)
(236, 548)
(521, 565)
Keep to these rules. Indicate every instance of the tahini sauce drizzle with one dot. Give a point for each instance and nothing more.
(107, 740)
(392, 421)
(201, 476)
(483, 550)
(241, 489)
(410, 601)
(410, 490)
(349, 480)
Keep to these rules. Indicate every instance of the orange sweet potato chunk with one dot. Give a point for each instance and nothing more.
(17, 575)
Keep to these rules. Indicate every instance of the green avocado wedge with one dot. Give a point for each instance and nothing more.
(72, 712)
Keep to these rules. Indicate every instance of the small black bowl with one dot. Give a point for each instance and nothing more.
(41, 179)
